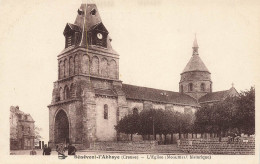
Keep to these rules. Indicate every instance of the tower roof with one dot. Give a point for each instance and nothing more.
(88, 18)
(195, 64)
(87, 14)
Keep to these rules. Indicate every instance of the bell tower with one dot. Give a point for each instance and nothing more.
(88, 69)
(195, 78)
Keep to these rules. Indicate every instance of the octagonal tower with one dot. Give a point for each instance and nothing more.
(195, 78)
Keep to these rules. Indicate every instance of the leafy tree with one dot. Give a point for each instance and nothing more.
(228, 115)
(147, 118)
(245, 113)
(186, 121)
(129, 125)
(216, 118)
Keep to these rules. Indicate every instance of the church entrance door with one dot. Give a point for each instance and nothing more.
(61, 131)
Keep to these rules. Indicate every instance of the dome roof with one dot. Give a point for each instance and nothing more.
(195, 64)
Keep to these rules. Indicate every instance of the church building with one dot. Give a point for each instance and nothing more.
(88, 99)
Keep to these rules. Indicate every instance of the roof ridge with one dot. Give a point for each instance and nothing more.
(151, 88)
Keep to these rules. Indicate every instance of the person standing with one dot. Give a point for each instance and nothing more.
(71, 149)
(46, 150)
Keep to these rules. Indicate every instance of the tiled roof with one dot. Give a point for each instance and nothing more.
(195, 64)
(157, 95)
(218, 96)
(19, 112)
(74, 27)
(214, 96)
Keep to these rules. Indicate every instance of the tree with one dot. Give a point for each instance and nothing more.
(216, 118)
(129, 125)
(245, 113)
(186, 123)
(173, 119)
(37, 136)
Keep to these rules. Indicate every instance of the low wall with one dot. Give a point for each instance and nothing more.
(246, 146)
(124, 146)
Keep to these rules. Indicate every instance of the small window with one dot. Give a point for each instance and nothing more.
(135, 111)
(29, 130)
(190, 87)
(68, 41)
(202, 87)
(66, 92)
(22, 128)
(93, 12)
(105, 111)
(25, 117)
(210, 87)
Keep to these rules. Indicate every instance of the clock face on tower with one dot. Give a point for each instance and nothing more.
(99, 36)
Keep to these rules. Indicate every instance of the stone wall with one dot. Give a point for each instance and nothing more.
(196, 78)
(105, 128)
(88, 63)
(74, 112)
(124, 146)
(246, 146)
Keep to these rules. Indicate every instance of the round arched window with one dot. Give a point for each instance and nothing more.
(105, 111)
(190, 87)
(202, 87)
(135, 111)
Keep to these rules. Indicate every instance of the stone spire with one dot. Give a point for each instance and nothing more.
(88, 16)
(195, 46)
(195, 63)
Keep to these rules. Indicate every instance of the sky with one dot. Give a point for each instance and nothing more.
(153, 38)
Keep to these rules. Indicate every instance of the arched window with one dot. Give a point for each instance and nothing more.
(61, 93)
(181, 89)
(71, 66)
(190, 87)
(66, 66)
(104, 71)
(85, 64)
(61, 69)
(66, 92)
(72, 90)
(79, 91)
(202, 87)
(95, 65)
(113, 69)
(105, 111)
(135, 111)
(76, 64)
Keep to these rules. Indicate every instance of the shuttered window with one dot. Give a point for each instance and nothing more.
(69, 41)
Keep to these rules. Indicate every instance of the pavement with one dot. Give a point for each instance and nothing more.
(160, 149)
